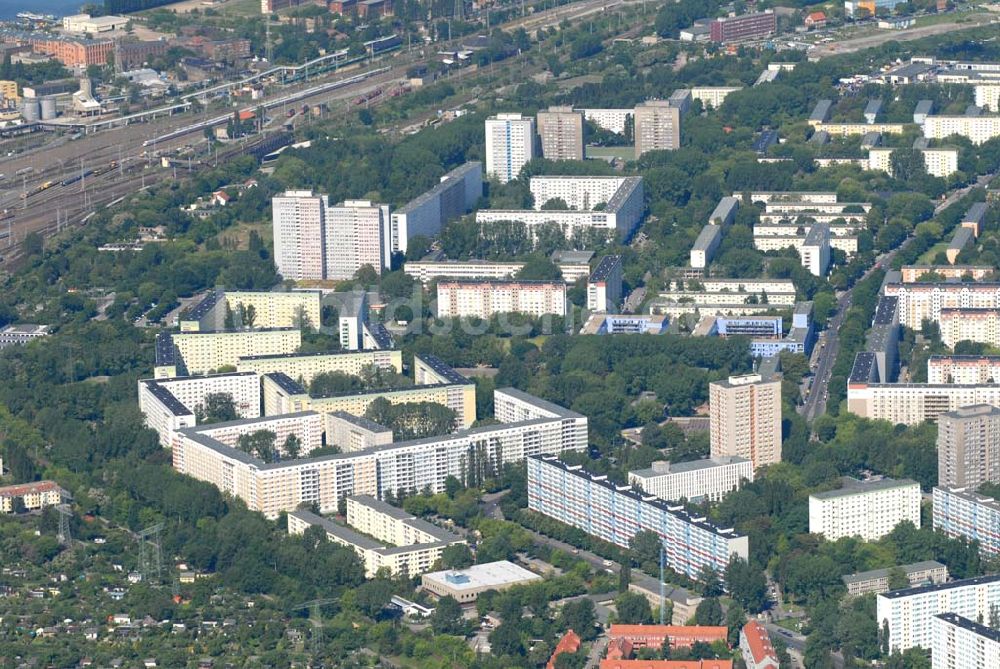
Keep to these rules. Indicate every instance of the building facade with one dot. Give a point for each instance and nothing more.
(968, 446)
(604, 287)
(510, 143)
(615, 514)
(299, 226)
(456, 193)
(202, 352)
(657, 127)
(32, 496)
(877, 580)
(483, 299)
(961, 643)
(962, 512)
(742, 28)
(745, 419)
(356, 232)
(427, 271)
(866, 509)
(561, 133)
(755, 645)
(710, 479)
(169, 404)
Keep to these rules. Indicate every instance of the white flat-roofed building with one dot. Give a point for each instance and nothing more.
(615, 514)
(960, 643)
(938, 162)
(539, 427)
(299, 224)
(306, 425)
(604, 287)
(609, 324)
(713, 96)
(17, 335)
(745, 419)
(866, 509)
(457, 193)
(306, 366)
(913, 403)
(910, 613)
(877, 580)
(483, 299)
(710, 479)
(383, 536)
(961, 512)
(85, 23)
(705, 246)
(719, 285)
(849, 245)
(465, 585)
(510, 143)
(815, 197)
(356, 235)
(169, 404)
(613, 120)
(354, 433)
(988, 96)
(977, 129)
(815, 250)
(725, 212)
(963, 369)
(427, 271)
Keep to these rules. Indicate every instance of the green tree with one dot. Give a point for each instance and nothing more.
(579, 615)
(216, 408)
(292, 446)
(456, 556)
(447, 617)
(506, 640)
(709, 612)
(633, 609)
(747, 584)
(373, 596)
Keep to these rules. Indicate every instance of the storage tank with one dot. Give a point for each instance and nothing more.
(30, 110)
(48, 108)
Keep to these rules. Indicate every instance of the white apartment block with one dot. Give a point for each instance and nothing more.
(410, 466)
(456, 193)
(613, 120)
(622, 197)
(561, 132)
(962, 512)
(299, 222)
(354, 433)
(938, 162)
(616, 513)
(910, 613)
(705, 246)
(814, 252)
(459, 397)
(710, 479)
(960, 643)
(356, 235)
(36, 495)
(169, 404)
(510, 143)
(978, 325)
(785, 227)
(657, 127)
(270, 309)
(769, 286)
(925, 301)
(306, 425)
(304, 367)
(866, 509)
(427, 271)
(977, 129)
(877, 580)
(913, 403)
(383, 536)
(988, 96)
(203, 352)
(483, 299)
(604, 286)
(963, 369)
(745, 419)
(713, 96)
(777, 196)
(848, 245)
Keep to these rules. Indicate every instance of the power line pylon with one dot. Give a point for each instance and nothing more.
(150, 558)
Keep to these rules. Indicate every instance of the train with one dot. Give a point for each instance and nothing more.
(71, 180)
(78, 177)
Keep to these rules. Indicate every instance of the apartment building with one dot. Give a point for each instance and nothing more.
(963, 369)
(877, 580)
(622, 211)
(815, 250)
(616, 513)
(354, 433)
(264, 309)
(745, 419)
(910, 613)
(653, 636)
(201, 352)
(968, 446)
(306, 425)
(925, 301)
(938, 162)
(913, 403)
(356, 232)
(458, 192)
(976, 325)
(19, 335)
(705, 246)
(786, 196)
(31, 496)
(961, 643)
(613, 120)
(761, 327)
(712, 97)
(426, 271)
(988, 96)
(306, 366)
(409, 465)
(383, 536)
(510, 143)
(913, 273)
(608, 324)
(604, 287)
(756, 648)
(742, 28)
(962, 512)
(866, 509)
(657, 127)
(698, 480)
(483, 299)
(299, 225)
(561, 133)
(977, 129)
(169, 404)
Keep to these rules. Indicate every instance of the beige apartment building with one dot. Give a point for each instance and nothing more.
(37, 495)
(657, 127)
(968, 446)
(306, 366)
(203, 352)
(483, 299)
(561, 132)
(745, 419)
(268, 309)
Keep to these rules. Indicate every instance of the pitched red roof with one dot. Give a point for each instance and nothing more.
(759, 642)
(816, 16)
(666, 664)
(569, 643)
(28, 488)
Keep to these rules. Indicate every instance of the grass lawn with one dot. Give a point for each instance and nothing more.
(928, 257)
(622, 152)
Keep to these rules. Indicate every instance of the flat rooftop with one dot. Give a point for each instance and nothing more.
(604, 268)
(939, 587)
(691, 466)
(863, 576)
(483, 576)
(970, 625)
(856, 487)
